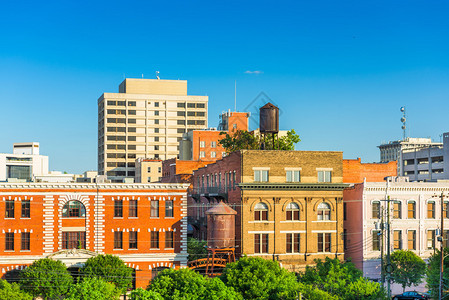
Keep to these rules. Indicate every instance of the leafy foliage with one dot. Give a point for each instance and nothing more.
(343, 280)
(257, 278)
(408, 268)
(47, 278)
(110, 268)
(141, 294)
(433, 272)
(187, 284)
(92, 288)
(196, 249)
(12, 291)
(244, 140)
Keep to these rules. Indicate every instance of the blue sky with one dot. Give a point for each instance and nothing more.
(339, 70)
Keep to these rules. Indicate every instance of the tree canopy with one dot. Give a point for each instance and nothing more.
(12, 291)
(47, 278)
(258, 278)
(141, 294)
(188, 284)
(244, 140)
(111, 269)
(433, 272)
(343, 280)
(196, 249)
(93, 288)
(408, 268)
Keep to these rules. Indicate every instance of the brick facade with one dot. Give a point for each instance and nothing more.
(52, 232)
(354, 171)
(233, 179)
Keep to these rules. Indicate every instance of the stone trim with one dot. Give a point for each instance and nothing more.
(293, 186)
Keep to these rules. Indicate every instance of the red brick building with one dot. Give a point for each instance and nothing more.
(354, 171)
(144, 224)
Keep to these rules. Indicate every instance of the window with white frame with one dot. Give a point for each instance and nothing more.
(324, 176)
(202, 144)
(293, 175)
(202, 154)
(213, 144)
(213, 154)
(261, 175)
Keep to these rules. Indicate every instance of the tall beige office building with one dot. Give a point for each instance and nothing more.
(146, 118)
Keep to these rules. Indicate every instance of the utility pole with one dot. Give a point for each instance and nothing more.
(382, 245)
(388, 249)
(441, 239)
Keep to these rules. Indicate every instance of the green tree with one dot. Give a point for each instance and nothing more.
(110, 268)
(141, 294)
(12, 291)
(258, 278)
(433, 272)
(196, 249)
(93, 288)
(408, 268)
(339, 279)
(47, 278)
(244, 140)
(187, 284)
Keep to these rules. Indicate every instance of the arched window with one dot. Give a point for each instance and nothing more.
(324, 211)
(74, 209)
(293, 211)
(260, 212)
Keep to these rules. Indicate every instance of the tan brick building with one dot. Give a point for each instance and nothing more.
(289, 203)
(148, 170)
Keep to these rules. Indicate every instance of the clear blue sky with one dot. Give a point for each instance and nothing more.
(339, 70)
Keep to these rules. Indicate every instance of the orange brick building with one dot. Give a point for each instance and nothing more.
(354, 171)
(180, 171)
(144, 224)
(203, 144)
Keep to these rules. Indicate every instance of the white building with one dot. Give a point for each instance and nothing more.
(146, 118)
(430, 163)
(23, 164)
(415, 220)
(392, 151)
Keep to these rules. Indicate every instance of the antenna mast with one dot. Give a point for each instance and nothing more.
(403, 120)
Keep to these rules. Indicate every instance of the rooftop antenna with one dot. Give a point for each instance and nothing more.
(157, 75)
(235, 95)
(403, 120)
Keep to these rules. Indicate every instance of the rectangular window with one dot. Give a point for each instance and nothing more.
(26, 209)
(324, 242)
(213, 154)
(261, 243)
(181, 104)
(202, 154)
(156, 104)
(9, 209)
(431, 210)
(213, 144)
(133, 208)
(149, 169)
(261, 175)
(118, 240)
(181, 122)
(375, 214)
(25, 241)
(9, 241)
(411, 210)
(169, 239)
(324, 176)
(133, 240)
(376, 240)
(74, 240)
(345, 208)
(118, 208)
(202, 144)
(292, 242)
(293, 176)
(446, 239)
(169, 209)
(397, 239)
(411, 239)
(154, 239)
(154, 209)
(430, 239)
(397, 209)
(446, 210)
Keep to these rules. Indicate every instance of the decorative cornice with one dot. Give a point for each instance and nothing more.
(94, 186)
(293, 186)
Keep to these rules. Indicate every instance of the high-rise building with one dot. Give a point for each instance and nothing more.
(146, 118)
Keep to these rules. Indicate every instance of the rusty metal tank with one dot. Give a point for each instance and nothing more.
(269, 118)
(221, 226)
